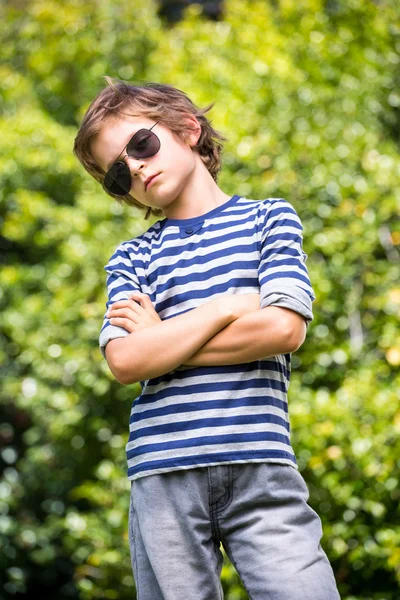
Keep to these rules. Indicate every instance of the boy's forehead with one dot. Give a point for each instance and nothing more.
(127, 120)
(114, 134)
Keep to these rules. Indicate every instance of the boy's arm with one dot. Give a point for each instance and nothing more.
(161, 348)
(286, 296)
(254, 336)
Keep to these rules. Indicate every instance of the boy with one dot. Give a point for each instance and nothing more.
(204, 309)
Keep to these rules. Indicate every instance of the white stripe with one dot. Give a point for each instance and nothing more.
(230, 378)
(193, 434)
(210, 395)
(187, 417)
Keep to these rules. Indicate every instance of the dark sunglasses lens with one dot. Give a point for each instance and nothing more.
(143, 144)
(118, 179)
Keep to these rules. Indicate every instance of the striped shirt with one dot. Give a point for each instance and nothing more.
(213, 415)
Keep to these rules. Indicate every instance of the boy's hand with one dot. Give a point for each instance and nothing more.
(133, 314)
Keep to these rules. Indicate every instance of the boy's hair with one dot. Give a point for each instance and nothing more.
(161, 102)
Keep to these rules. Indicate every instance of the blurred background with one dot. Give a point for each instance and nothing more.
(308, 94)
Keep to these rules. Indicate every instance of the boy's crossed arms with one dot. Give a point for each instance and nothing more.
(228, 330)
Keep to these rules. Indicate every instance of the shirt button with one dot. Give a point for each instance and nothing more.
(190, 230)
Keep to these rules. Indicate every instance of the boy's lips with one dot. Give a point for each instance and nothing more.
(149, 180)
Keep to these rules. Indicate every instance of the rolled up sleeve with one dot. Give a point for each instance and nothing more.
(283, 275)
(121, 282)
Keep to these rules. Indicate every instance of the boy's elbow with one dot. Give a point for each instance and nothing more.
(127, 378)
(120, 375)
(114, 352)
(297, 333)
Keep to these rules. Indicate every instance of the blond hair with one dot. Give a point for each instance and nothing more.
(161, 102)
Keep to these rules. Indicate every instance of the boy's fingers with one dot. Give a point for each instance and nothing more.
(142, 298)
(146, 299)
(121, 322)
(120, 303)
(136, 296)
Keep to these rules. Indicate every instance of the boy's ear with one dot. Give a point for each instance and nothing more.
(193, 130)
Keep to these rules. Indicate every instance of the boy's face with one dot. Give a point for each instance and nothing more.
(173, 164)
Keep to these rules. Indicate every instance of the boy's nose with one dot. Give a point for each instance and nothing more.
(135, 165)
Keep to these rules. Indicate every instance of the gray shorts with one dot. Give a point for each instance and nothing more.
(257, 511)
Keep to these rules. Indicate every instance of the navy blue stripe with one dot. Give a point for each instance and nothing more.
(207, 292)
(214, 386)
(204, 423)
(106, 323)
(283, 220)
(231, 438)
(172, 409)
(279, 263)
(279, 211)
(284, 248)
(124, 287)
(280, 251)
(264, 279)
(192, 461)
(256, 366)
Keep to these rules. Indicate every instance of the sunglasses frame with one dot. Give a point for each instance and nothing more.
(123, 164)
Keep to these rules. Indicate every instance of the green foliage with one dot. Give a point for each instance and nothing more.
(308, 95)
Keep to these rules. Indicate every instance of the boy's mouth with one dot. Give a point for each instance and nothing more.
(149, 180)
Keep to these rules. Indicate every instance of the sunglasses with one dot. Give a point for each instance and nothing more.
(143, 144)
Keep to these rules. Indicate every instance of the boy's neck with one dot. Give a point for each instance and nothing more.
(200, 195)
